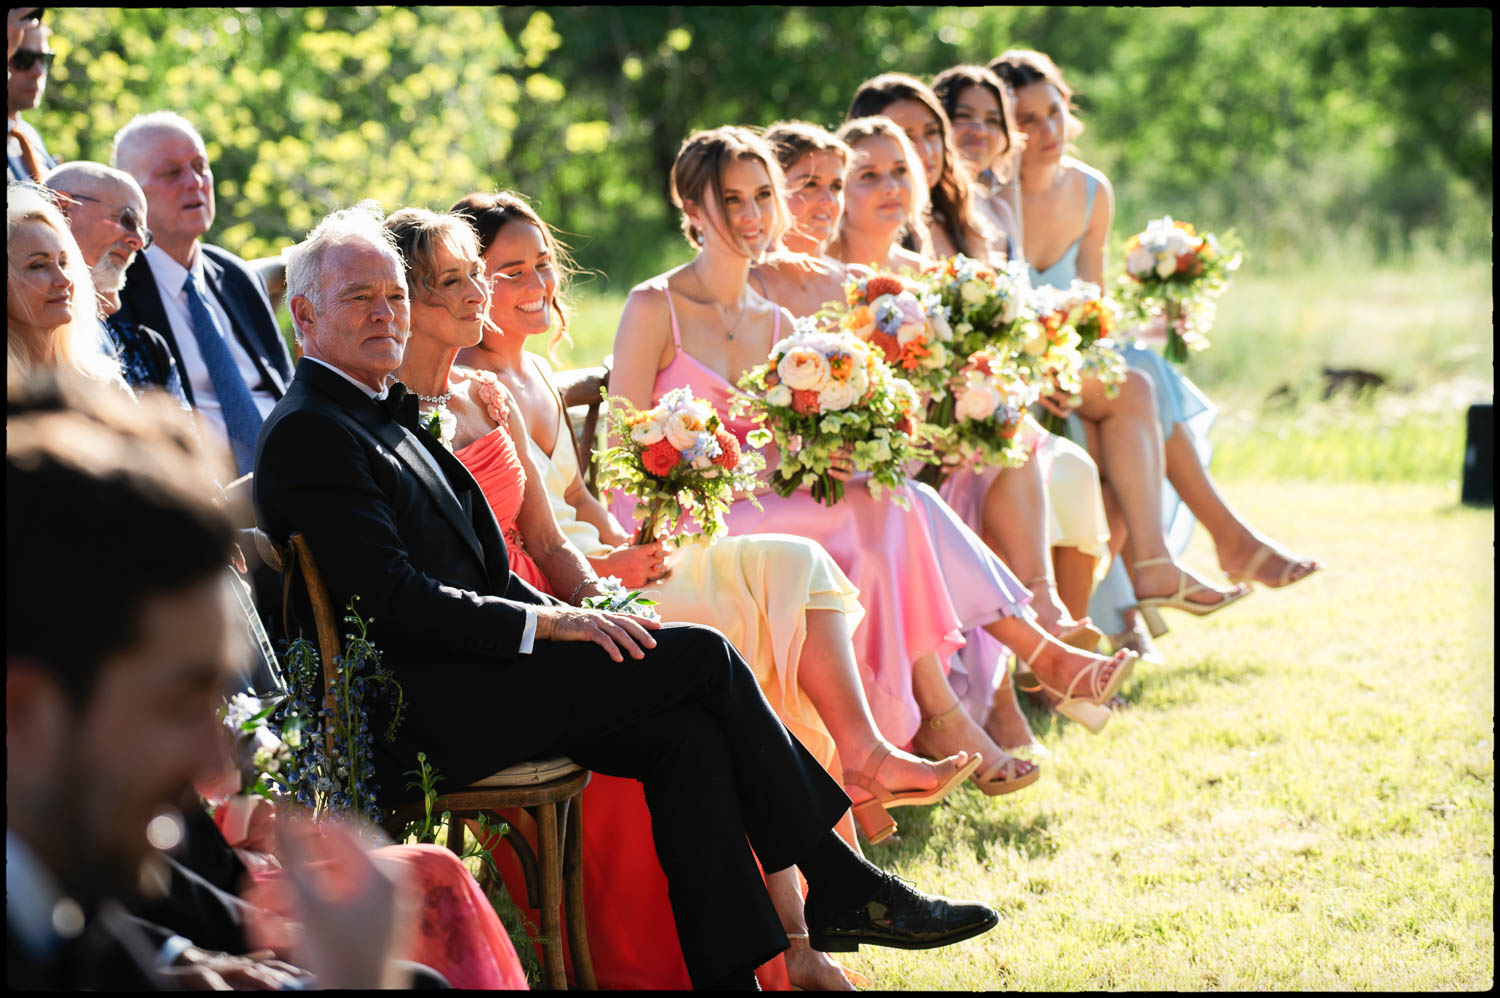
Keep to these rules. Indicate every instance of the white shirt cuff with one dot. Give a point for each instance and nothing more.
(171, 950)
(528, 633)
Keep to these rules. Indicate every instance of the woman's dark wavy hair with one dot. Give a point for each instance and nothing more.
(950, 84)
(489, 213)
(951, 202)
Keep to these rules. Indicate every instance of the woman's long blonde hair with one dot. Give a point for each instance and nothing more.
(80, 344)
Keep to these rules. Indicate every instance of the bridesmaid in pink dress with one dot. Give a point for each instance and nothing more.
(701, 326)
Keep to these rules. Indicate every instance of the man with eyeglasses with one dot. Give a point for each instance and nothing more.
(211, 307)
(25, 154)
(106, 211)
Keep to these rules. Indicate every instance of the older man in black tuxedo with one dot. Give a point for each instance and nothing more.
(495, 672)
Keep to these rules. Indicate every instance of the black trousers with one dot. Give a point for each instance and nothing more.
(721, 773)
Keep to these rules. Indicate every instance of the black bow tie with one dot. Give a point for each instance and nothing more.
(400, 405)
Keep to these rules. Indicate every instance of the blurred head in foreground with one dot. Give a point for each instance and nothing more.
(118, 625)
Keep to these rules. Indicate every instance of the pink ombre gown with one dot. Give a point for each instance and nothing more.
(923, 576)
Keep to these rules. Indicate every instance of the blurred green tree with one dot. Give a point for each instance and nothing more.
(1292, 125)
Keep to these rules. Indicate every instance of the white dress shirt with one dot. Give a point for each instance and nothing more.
(170, 277)
(528, 633)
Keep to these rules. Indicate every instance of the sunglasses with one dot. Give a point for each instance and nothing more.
(24, 59)
(128, 220)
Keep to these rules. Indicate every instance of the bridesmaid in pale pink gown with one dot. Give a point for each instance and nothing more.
(701, 326)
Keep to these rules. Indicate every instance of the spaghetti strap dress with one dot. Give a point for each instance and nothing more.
(632, 935)
(923, 576)
(1179, 402)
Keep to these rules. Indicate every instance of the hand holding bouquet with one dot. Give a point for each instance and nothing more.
(676, 457)
(1083, 320)
(823, 393)
(1173, 271)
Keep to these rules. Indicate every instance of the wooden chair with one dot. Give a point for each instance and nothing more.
(580, 388)
(547, 789)
(272, 270)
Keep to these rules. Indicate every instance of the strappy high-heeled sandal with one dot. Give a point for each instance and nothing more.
(1247, 574)
(1088, 710)
(1150, 606)
(1134, 638)
(872, 814)
(1008, 774)
(1081, 634)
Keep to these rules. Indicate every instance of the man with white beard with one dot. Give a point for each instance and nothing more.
(106, 210)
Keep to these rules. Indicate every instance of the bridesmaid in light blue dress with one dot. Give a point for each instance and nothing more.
(1054, 187)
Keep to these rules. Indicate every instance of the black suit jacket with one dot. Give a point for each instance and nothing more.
(244, 298)
(431, 571)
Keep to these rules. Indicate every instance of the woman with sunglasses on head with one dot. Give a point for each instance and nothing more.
(780, 599)
(1059, 194)
(702, 326)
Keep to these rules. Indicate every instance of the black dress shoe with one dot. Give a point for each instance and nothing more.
(898, 915)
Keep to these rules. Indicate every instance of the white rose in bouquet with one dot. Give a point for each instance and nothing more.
(836, 395)
(973, 291)
(803, 369)
(978, 402)
(683, 427)
(648, 431)
(779, 395)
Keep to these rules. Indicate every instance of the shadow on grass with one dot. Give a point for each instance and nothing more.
(967, 818)
(1172, 685)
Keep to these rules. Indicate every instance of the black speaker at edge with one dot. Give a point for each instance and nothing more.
(1479, 457)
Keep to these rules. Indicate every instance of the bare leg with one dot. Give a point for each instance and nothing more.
(1054, 663)
(828, 673)
(1075, 578)
(1235, 540)
(1014, 525)
(806, 967)
(1006, 724)
(934, 696)
(1131, 458)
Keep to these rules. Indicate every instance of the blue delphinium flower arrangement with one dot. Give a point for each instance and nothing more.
(334, 766)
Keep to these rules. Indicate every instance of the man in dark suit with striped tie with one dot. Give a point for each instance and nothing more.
(212, 309)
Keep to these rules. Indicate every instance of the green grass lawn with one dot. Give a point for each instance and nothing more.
(1301, 798)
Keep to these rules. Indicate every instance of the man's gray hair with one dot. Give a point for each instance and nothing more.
(124, 151)
(304, 261)
(80, 174)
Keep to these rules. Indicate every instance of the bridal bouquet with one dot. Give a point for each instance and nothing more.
(1172, 271)
(1080, 311)
(979, 424)
(264, 756)
(907, 327)
(822, 392)
(676, 457)
(984, 307)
